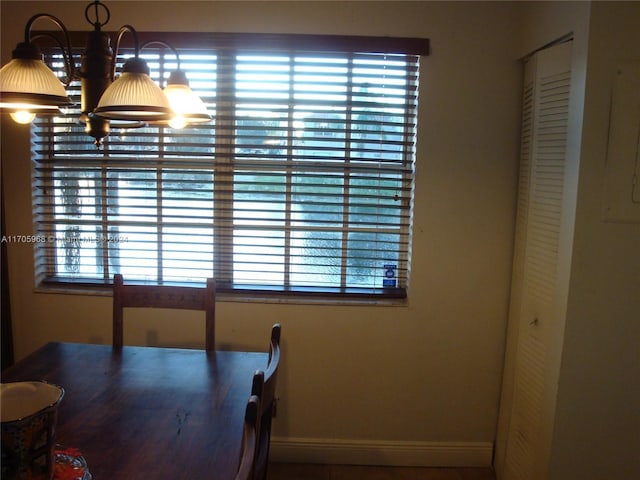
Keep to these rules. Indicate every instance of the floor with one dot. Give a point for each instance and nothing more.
(305, 471)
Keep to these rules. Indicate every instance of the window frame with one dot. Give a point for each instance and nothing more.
(230, 42)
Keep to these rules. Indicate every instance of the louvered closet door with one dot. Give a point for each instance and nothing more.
(542, 165)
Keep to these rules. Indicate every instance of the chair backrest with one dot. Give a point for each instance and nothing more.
(264, 386)
(163, 296)
(250, 435)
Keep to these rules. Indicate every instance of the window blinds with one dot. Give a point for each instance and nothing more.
(302, 181)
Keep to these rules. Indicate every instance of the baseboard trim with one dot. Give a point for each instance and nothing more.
(356, 452)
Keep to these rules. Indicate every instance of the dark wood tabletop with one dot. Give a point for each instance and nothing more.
(145, 412)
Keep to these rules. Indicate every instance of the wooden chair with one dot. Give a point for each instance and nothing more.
(250, 435)
(163, 296)
(264, 386)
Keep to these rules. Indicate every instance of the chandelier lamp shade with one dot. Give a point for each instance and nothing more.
(186, 107)
(28, 87)
(133, 95)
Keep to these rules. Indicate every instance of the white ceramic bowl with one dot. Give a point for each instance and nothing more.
(29, 412)
(19, 400)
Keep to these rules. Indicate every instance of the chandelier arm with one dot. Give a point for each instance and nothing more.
(67, 61)
(136, 45)
(67, 53)
(166, 45)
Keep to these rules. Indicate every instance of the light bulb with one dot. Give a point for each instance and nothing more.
(178, 121)
(23, 117)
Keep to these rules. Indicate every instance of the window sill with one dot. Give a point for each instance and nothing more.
(249, 296)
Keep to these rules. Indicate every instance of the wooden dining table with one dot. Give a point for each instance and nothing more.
(146, 412)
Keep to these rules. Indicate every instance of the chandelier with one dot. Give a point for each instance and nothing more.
(28, 87)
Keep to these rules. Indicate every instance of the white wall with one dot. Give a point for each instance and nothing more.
(427, 372)
(597, 432)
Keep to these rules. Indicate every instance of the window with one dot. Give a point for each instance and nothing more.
(301, 183)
